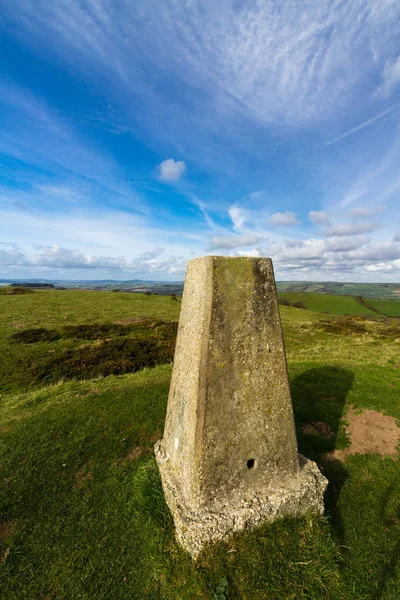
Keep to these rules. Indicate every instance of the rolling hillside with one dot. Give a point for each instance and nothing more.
(82, 512)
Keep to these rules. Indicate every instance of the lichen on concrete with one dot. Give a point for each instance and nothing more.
(228, 458)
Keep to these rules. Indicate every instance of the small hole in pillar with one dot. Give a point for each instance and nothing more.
(250, 463)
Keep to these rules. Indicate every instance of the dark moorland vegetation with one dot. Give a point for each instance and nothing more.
(82, 513)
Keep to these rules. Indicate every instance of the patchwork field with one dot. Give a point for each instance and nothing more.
(82, 513)
(341, 305)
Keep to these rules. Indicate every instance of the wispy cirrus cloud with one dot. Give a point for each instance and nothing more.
(289, 64)
(230, 242)
(366, 123)
(390, 78)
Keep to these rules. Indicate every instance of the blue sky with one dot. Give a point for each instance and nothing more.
(137, 135)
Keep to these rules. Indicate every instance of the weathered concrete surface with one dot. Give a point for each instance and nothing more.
(229, 457)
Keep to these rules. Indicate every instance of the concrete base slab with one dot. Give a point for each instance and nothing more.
(292, 496)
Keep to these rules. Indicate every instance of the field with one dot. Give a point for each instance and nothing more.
(342, 305)
(389, 291)
(82, 513)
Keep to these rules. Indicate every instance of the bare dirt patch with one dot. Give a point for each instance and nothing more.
(82, 476)
(318, 428)
(132, 320)
(370, 432)
(6, 530)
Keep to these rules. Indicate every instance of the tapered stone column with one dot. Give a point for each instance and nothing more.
(228, 458)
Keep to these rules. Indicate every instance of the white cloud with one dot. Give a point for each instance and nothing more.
(391, 77)
(396, 237)
(171, 170)
(67, 260)
(230, 242)
(295, 250)
(285, 219)
(352, 228)
(377, 252)
(352, 197)
(344, 243)
(361, 212)
(249, 253)
(318, 217)
(237, 215)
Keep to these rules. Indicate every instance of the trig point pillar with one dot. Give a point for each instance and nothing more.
(229, 459)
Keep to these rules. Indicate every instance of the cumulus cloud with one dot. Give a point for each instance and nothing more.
(55, 257)
(66, 258)
(249, 253)
(285, 219)
(352, 228)
(360, 212)
(230, 242)
(13, 257)
(171, 170)
(318, 217)
(343, 243)
(300, 250)
(383, 267)
(340, 258)
(379, 251)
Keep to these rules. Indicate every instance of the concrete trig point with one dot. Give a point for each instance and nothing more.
(229, 459)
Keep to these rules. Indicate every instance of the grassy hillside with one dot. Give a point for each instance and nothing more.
(82, 513)
(391, 308)
(336, 305)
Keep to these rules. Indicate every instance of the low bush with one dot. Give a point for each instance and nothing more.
(34, 335)
(389, 331)
(284, 301)
(113, 357)
(346, 326)
(299, 304)
(15, 291)
(95, 331)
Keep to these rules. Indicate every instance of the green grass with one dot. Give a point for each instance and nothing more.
(70, 325)
(336, 305)
(391, 308)
(82, 513)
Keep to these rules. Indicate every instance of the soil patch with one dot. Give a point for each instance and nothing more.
(370, 432)
(318, 428)
(82, 476)
(133, 320)
(6, 531)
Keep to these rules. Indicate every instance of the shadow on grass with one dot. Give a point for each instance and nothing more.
(319, 396)
(389, 576)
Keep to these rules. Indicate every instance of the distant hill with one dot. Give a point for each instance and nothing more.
(32, 284)
(366, 290)
(384, 291)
